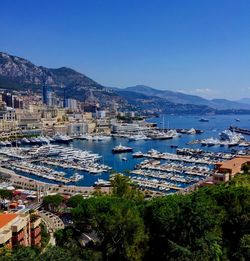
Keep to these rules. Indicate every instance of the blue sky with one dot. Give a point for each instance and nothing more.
(194, 46)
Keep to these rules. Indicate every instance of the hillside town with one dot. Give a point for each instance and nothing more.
(124, 130)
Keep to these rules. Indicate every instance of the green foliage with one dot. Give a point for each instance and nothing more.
(24, 253)
(75, 201)
(183, 225)
(5, 194)
(212, 223)
(45, 236)
(59, 254)
(246, 168)
(52, 202)
(118, 225)
(244, 248)
(20, 253)
(122, 187)
(5, 253)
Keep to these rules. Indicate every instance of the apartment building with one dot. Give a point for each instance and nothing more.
(19, 229)
(226, 170)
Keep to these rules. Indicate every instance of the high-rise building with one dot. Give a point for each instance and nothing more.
(7, 98)
(11, 100)
(70, 104)
(17, 102)
(49, 97)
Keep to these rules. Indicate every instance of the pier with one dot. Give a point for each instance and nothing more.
(151, 184)
(239, 130)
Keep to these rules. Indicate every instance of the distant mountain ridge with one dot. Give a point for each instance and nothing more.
(182, 98)
(244, 100)
(23, 71)
(20, 74)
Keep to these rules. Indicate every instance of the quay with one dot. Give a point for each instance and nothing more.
(29, 183)
(173, 167)
(175, 157)
(156, 185)
(239, 130)
(181, 131)
(170, 177)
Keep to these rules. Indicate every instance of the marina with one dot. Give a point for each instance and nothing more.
(160, 165)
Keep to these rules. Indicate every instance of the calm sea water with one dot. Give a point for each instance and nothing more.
(212, 128)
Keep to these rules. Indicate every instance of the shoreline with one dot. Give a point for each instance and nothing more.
(32, 184)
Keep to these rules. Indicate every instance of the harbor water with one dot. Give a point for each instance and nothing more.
(124, 161)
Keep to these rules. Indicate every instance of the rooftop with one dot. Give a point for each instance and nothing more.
(234, 164)
(6, 218)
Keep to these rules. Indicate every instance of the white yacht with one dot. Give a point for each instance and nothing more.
(102, 183)
(192, 131)
(231, 136)
(25, 141)
(62, 138)
(138, 137)
(173, 133)
(103, 137)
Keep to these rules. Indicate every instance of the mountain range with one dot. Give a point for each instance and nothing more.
(182, 98)
(20, 74)
(244, 100)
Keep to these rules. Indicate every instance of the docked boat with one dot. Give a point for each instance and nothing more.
(203, 120)
(137, 154)
(104, 138)
(62, 138)
(76, 177)
(2, 143)
(192, 131)
(25, 141)
(173, 133)
(239, 130)
(231, 138)
(138, 137)
(7, 143)
(44, 139)
(102, 183)
(121, 149)
(244, 144)
(161, 136)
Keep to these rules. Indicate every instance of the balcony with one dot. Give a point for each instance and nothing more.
(18, 225)
(35, 223)
(35, 232)
(5, 236)
(36, 241)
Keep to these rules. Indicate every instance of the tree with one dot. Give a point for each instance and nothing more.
(52, 202)
(118, 225)
(246, 168)
(75, 201)
(5, 253)
(183, 227)
(123, 187)
(25, 253)
(5, 194)
(59, 254)
(244, 249)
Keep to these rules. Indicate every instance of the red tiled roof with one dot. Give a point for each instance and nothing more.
(6, 218)
(234, 164)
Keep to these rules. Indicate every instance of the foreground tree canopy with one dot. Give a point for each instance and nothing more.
(212, 223)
